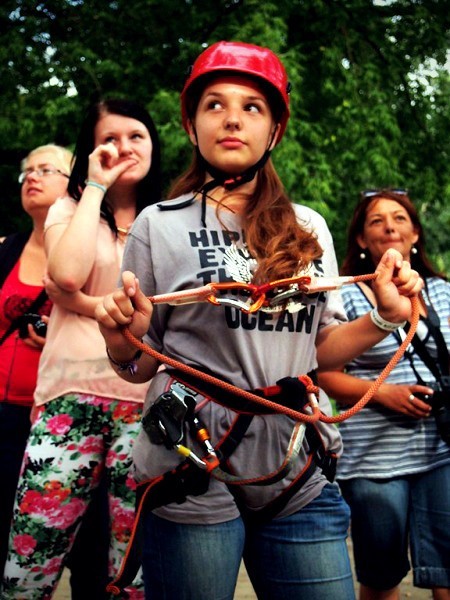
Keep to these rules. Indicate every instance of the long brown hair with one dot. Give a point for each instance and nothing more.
(353, 264)
(272, 232)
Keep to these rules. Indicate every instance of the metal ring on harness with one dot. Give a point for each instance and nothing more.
(295, 444)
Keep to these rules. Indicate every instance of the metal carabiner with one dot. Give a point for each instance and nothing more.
(243, 306)
(306, 284)
(283, 296)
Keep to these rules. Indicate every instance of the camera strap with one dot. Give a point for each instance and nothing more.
(36, 304)
(10, 251)
(439, 368)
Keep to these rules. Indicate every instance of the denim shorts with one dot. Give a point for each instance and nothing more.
(300, 556)
(386, 513)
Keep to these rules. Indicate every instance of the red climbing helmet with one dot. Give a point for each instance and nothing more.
(242, 58)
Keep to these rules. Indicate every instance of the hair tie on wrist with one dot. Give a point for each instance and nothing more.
(130, 366)
(382, 323)
(100, 186)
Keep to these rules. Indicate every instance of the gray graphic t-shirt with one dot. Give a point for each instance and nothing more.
(171, 251)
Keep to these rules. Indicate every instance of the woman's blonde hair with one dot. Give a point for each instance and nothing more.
(63, 157)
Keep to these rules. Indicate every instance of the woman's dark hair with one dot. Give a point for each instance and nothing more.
(149, 189)
(353, 264)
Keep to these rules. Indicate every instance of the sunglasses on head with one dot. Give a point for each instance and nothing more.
(377, 192)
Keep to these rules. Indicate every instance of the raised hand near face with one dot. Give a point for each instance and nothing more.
(106, 165)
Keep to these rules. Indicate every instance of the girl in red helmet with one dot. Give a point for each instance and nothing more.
(229, 219)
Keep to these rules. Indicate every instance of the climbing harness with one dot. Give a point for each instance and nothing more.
(295, 397)
(165, 424)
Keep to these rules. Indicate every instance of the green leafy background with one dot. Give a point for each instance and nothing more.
(370, 89)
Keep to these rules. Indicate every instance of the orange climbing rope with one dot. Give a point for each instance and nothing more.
(259, 298)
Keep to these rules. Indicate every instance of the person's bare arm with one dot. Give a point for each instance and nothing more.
(348, 390)
(77, 302)
(71, 248)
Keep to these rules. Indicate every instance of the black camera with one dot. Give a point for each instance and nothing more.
(38, 325)
(440, 406)
(441, 409)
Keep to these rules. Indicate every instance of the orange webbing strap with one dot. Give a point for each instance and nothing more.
(274, 406)
(271, 510)
(173, 486)
(316, 415)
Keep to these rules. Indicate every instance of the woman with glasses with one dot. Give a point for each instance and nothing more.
(40, 172)
(44, 178)
(395, 470)
(230, 220)
(87, 416)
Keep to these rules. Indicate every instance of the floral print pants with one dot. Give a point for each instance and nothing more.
(73, 439)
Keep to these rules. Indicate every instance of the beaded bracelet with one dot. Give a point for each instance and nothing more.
(100, 186)
(382, 323)
(130, 366)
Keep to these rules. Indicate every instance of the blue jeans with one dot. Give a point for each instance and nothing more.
(300, 556)
(388, 512)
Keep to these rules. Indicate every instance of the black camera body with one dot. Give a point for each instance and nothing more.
(440, 406)
(38, 325)
(434, 385)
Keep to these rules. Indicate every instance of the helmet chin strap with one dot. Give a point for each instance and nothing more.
(221, 178)
(227, 181)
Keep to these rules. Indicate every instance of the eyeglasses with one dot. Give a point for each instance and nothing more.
(41, 172)
(377, 192)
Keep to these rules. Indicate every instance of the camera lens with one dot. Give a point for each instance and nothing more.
(32, 319)
(40, 328)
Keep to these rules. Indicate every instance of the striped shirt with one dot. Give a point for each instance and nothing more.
(380, 443)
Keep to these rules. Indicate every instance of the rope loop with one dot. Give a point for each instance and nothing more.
(314, 413)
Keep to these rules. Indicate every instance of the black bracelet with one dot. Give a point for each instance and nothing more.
(130, 366)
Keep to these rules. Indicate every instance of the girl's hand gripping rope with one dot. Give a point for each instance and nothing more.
(125, 307)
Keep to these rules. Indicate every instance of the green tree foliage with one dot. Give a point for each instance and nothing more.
(369, 89)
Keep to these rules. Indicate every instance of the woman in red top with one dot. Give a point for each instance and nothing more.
(43, 178)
